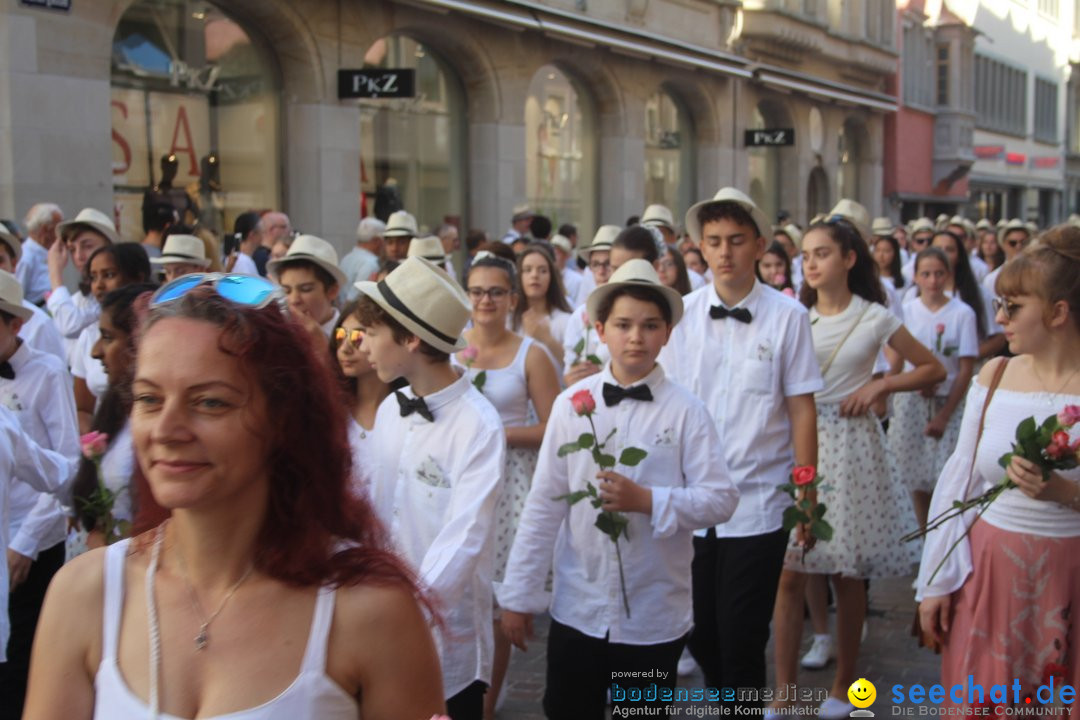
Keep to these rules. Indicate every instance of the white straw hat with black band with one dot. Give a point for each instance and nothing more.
(602, 240)
(732, 195)
(183, 249)
(93, 219)
(314, 250)
(11, 297)
(635, 273)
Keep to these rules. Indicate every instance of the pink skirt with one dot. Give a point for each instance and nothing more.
(1015, 618)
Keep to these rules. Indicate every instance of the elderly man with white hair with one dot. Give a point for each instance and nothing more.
(363, 261)
(273, 227)
(33, 268)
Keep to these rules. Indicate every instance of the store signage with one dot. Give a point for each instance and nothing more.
(989, 152)
(770, 137)
(1015, 158)
(1045, 163)
(63, 5)
(388, 83)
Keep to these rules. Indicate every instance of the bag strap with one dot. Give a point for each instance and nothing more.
(836, 350)
(999, 371)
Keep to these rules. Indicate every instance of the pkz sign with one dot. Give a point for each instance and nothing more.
(391, 83)
(62, 5)
(770, 137)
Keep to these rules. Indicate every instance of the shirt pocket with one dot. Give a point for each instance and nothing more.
(662, 467)
(757, 376)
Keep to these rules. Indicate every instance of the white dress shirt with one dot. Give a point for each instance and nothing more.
(571, 280)
(990, 279)
(588, 284)
(744, 373)
(435, 487)
(40, 333)
(32, 271)
(686, 473)
(359, 264)
(72, 313)
(42, 399)
(245, 265)
(39, 471)
(575, 331)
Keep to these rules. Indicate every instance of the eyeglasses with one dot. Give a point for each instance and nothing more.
(919, 242)
(248, 290)
(495, 293)
(1005, 307)
(1016, 243)
(599, 265)
(355, 337)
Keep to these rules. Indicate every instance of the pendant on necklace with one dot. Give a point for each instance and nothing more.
(202, 639)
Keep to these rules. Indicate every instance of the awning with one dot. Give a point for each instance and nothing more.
(824, 89)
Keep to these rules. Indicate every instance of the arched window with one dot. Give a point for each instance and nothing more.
(412, 150)
(560, 179)
(194, 116)
(669, 172)
(817, 193)
(851, 147)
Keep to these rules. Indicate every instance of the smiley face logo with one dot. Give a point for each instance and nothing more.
(862, 693)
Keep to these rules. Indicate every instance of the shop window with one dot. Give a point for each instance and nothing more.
(412, 150)
(851, 146)
(669, 176)
(560, 179)
(194, 116)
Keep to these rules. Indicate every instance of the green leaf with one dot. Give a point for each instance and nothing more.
(579, 347)
(612, 524)
(594, 359)
(592, 489)
(1025, 432)
(574, 497)
(819, 512)
(821, 530)
(479, 380)
(606, 462)
(568, 448)
(789, 488)
(1005, 460)
(1051, 424)
(792, 517)
(585, 441)
(632, 456)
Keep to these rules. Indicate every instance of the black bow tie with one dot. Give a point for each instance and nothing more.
(413, 405)
(719, 312)
(6, 371)
(613, 394)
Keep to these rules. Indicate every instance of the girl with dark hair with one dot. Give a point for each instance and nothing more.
(672, 271)
(868, 512)
(989, 250)
(774, 268)
(239, 431)
(888, 258)
(963, 284)
(695, 261)
(109, 268)
(519, 379)
(542, 311)
(122, 312)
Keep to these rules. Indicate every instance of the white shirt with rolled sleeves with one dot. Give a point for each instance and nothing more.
(40, 333)
(744, 373)
(435, 486)
(72, 313)
(575, 331)
(42, 399)
(687, 475)
(39, 471)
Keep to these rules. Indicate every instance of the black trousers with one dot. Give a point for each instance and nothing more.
(468, 704)
(735, 582)
(582, 669)
(24, 608)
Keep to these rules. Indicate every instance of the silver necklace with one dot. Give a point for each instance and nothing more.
(202, 640)
(1053, 396)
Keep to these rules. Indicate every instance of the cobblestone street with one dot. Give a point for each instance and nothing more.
(889, 656)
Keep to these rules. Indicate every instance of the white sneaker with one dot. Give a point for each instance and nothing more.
(819, 654)
(835, 709)
(687, 664)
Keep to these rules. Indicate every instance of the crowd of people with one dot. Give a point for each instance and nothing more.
(678, 439)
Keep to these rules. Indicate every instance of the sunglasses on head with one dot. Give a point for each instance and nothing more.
(247, 290)
(355, 337)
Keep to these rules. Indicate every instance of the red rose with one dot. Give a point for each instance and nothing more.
(803, 475)
(583, 403)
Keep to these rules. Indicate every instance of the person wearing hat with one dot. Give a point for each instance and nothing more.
(856, 214)
(580, 343)
(182, 255)
(963, 228)
(922, 232)
(431, 248)
(362, 261)
(660, 217)
(746, 350)
(33, 270)
(311, 279)
(598, 635)
(519, 224)
(564, 251)
(1013, 237)
(440, 451)
(400, 230)
(790, 237)
(39, 331)
(38, 388)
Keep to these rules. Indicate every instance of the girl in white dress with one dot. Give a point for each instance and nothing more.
(543, 311)
(868, 512)
(521, 382)
(926, 424)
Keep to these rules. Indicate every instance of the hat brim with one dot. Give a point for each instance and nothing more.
(20, 311)
(110, 234)
(399, 232)
(599, 294)
(371, 290)
(12, 242)
(274, 266)
(658, 223)
(588, 250)
(693, 226)
(180, 259)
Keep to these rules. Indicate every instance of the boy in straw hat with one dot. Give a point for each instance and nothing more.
(598, 636)
(747, 352)
(39, 331)
(182, 255)
(37, 387)
(310, 276)
(440, 451)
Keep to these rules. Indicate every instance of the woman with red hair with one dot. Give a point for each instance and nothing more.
(270, 591)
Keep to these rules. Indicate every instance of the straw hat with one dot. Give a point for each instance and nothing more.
(658, 215)
(425, 300)
(602, 240)
(93, 219)
(183, 249)
(984, 224)
(728, 194)
(882, 227)
(429, 247)
(12, 242)
(923, 224)
(792, 231)
(522, 212)
(313, 250)
(638, 273)
(11, 297)
(854, 213)
(400, 224)
(563, 243)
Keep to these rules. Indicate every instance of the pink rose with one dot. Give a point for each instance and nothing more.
(779, 279)
(583, 402)
(803, 475)
(939, 328)
(469, 355)
(1059, 444)
(585, 318)
(94, 444)
(1069, 416)
(789, 292)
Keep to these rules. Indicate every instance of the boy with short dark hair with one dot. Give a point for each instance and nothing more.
(310, 276)
(595, 644)
(440, 451)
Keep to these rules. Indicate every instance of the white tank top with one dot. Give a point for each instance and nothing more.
(311, 695)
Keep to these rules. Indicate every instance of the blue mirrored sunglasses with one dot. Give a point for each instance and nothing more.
(248, 290)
